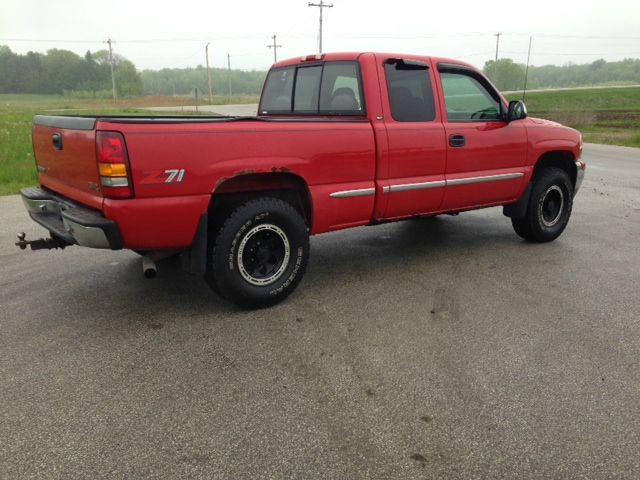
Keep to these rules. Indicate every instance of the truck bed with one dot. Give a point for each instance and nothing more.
(210, 153)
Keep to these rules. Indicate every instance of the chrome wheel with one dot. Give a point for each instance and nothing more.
(263, 254)
(551, 206)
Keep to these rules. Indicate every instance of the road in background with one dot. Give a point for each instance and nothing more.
(242, 109)
(433, 348)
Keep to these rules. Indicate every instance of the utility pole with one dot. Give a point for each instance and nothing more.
(495, 64)
(229, 72)
(321, 6)
(526, 72)
(206, 49)
(497, 35)
(113, 77)
(275, 46)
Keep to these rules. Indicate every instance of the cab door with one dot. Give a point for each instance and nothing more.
(485, 154)
(412, 176)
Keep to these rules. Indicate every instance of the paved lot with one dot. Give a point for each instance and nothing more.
(443, 348)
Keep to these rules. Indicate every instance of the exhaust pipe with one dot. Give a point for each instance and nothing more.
(149, 267)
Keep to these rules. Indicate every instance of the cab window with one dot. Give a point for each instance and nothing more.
(276, 95)
(410, 92)
(331, 88)
(467, 100)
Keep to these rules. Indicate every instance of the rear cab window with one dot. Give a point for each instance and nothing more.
(410, 91)
(330, 88)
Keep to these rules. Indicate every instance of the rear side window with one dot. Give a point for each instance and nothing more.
(332, 88)
(410, 92)
(278, 89)
(340, 93)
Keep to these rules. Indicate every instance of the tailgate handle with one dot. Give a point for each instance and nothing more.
(56, 139)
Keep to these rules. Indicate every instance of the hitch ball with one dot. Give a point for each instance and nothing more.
(21, 241)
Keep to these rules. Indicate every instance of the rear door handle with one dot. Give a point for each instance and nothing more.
(456, 140)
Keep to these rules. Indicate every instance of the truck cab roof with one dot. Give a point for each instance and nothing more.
(352, 56)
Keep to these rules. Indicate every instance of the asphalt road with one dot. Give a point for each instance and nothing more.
(442, 348)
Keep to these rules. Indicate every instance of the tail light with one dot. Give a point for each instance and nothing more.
(113, 165)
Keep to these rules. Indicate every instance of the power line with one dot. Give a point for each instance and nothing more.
(37, 40)
(324, 5)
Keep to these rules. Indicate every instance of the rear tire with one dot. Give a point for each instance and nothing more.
(549, 207)
(260, 253)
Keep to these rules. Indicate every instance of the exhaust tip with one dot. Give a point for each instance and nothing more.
(149, 269)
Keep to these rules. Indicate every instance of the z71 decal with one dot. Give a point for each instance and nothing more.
(156, 177)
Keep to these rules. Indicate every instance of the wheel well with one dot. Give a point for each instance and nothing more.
(236, 190)
(558, 159)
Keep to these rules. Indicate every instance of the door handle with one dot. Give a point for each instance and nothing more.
(456, 140)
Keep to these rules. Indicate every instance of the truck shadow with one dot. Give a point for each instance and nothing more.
(376, 251)
(367, 255)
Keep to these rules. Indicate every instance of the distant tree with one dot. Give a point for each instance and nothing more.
(182, 81)
(60, 71)
(505, 74)
(9, 70)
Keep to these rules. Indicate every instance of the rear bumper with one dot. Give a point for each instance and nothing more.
(69, 221)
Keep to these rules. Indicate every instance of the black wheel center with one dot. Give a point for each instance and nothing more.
(263, 254)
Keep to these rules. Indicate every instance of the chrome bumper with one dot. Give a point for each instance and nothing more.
(580, 168)
(70, 222)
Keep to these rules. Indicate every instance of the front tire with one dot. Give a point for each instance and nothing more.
(549, 207)
(260, 253)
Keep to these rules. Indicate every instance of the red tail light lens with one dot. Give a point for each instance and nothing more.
(113, 165)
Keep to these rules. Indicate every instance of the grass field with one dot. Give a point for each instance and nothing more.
(17, 168)
(609, 116)
(604, 115)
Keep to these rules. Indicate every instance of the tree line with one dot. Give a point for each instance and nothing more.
(64, 72)
(508, 75)
(183, 81)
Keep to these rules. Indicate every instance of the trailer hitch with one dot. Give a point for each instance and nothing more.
(41, 243)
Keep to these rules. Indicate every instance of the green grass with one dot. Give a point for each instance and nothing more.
(610, 116)
(604, 115)
(582, 99)
(17, 166)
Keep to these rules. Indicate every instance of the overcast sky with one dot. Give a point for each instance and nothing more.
(156, 34)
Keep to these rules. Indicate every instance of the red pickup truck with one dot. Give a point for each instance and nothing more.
(339, 140)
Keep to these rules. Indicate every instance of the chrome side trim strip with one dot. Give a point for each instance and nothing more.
(362, 192)
(404, 187)
(413, 186)
(483, 179)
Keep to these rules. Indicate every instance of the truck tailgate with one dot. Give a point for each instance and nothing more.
(65, 154)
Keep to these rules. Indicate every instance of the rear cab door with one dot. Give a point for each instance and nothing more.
(412, 174)
(486, 155)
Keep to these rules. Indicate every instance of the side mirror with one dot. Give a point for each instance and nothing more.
(517, 110)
